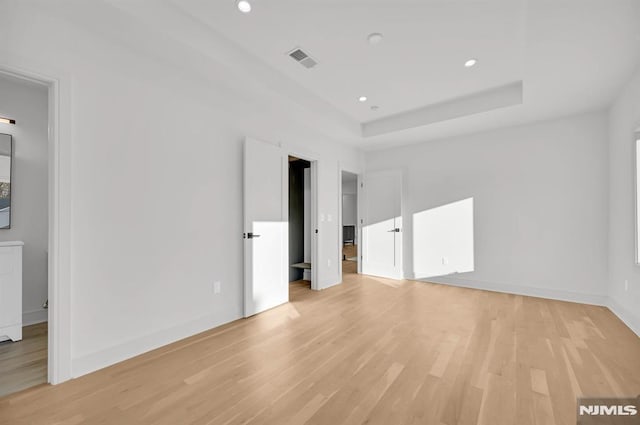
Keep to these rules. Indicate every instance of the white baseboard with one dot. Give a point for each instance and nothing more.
(101, 359)
(35, 316)
(107, 357)
(554, 294)
(329, 285)
(627, 316)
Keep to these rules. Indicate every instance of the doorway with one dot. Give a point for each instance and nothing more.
(300, 229)
(350, 230)
(58, 311)
(267, 263)
(24, 233)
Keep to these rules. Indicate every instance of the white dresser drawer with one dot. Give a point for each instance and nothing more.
(11, 291)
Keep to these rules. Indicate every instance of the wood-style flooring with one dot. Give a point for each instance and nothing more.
(348, 266)
(369, 351)
(349, 251)
(23, 364)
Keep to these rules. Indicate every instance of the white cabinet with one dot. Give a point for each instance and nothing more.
(11, 291)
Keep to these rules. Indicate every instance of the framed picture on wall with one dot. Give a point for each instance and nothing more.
(6, 156)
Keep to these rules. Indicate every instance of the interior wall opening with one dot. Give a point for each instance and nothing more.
(350, 228)
(24, 233)
(300, 222)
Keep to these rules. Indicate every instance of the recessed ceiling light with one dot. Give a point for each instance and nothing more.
(470, 63)
(375, 107)
(362, 99)
(244, 6)
(374, 38)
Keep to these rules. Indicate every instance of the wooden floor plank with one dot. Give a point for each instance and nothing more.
(23, 364)
(372, 351)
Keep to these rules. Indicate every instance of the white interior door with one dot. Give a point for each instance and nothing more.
(266, 240)
(382, 227)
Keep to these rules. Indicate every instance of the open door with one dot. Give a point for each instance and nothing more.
(266, 282)
(382, 227)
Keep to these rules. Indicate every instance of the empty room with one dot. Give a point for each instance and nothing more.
(319, 212)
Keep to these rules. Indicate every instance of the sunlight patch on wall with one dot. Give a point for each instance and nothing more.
(443, 240)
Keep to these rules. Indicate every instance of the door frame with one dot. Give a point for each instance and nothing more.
(284, 155)
(359, 194)
(313, 213)
(59, 365)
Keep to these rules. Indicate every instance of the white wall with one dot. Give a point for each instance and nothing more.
(349, 210)
(350, 202)
(445, 242)
(157, 131)
(624, 120)
(349, 184)
(540, 197)
(27, 103)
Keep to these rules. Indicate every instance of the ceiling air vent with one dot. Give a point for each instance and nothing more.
(301, 57)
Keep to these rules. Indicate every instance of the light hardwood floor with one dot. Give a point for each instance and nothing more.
(349, 251)
(23, 364)
(369, 351)
(348, 266)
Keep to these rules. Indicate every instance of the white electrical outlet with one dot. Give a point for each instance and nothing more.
(216, 287)
(626, 285)
(328, 217)
(328, 262)
(445, 261)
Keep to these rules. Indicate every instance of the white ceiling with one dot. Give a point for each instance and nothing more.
(419, 62)
(570, 55)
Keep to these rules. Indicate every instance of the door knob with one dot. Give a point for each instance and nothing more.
(396, 230)
(252, 235)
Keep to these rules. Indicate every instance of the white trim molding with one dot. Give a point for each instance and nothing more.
(34, 317)
(59, 293)
(530, 291)
(627, 316)
(631, 320)
(100, 359)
